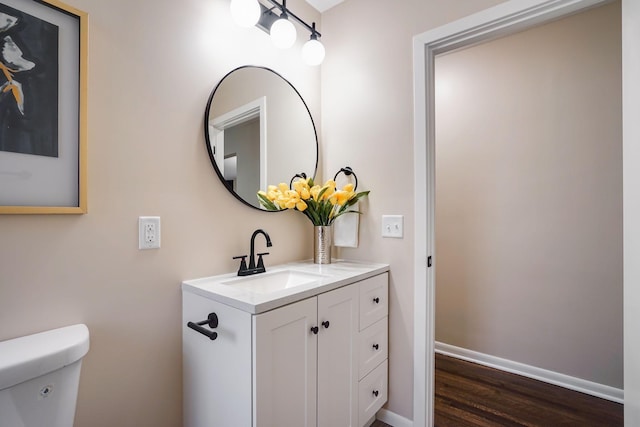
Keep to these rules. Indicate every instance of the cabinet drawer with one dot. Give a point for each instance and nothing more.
(372, 393)
(373, 347)
(373, 299)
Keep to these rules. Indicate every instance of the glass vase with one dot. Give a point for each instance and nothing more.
(322, 244)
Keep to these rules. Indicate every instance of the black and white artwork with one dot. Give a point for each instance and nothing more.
(28, 84)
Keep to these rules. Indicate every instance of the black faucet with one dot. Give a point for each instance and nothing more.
(253, 268)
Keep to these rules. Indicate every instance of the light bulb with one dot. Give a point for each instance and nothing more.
(313, 52)
(245, 13)
(283, 33)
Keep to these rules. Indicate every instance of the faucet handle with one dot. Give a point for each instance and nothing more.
(243, 262)
(260, 262)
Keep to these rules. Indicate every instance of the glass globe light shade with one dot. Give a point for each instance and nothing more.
(283, 33)
(313, 52)
(245, 13)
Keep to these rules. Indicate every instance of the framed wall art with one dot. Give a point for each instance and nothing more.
(43, 123)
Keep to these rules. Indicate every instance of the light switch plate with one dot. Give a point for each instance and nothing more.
(392, 226)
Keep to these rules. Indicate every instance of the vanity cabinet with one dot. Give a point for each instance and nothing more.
(306, 362)
(320, 361)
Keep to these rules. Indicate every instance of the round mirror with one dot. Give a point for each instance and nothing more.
(259, 132)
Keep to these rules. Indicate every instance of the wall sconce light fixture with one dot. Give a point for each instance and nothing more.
(247, 13)
(313, 51)
(283, 33)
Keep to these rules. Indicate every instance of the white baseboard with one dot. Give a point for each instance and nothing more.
(562, 380)
(393, 419)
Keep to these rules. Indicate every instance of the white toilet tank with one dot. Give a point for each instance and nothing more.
(39, 377)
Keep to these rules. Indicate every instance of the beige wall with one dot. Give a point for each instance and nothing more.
(367, 123)
(152, 66)
(529, 197)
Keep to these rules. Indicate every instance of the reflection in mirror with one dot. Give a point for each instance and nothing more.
(258, 131)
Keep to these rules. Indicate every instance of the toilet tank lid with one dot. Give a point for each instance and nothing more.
(24, 358)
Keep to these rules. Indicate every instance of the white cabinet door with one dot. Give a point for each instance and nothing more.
(285, 360)
(216, 373)
(338, 358)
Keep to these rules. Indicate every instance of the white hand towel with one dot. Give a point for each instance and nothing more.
(345, 229)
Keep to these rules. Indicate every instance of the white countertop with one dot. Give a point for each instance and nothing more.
(329, 276)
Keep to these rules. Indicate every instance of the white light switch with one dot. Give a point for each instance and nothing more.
(392, 226)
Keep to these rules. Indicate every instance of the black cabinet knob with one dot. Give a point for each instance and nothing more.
(314, 329)
(375, 393)
(376, 346)
(325, 324)
(376, 300)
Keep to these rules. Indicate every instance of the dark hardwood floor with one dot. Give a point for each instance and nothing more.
(471, 395)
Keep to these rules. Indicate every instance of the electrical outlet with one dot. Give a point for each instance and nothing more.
(392, 226)
(148, 232)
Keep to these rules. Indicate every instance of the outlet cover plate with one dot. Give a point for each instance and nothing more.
(393, 226)
(149, 232)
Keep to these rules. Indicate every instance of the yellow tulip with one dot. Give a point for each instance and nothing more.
(339, 198)
(262, 193)
(272, 195)
(348, 188)
(314, 191)
(291, 203)
(272, 188)
(343, 197)
(301, 205)
(300, 185)
(283, 187)
(328, 192)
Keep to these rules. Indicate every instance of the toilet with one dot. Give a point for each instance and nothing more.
(39, 377)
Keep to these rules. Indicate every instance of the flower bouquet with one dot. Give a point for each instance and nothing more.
(321, 204)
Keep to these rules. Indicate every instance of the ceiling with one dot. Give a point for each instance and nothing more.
(323, 5)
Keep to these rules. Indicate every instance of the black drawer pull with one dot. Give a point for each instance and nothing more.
(375, 393)
(314, 329)
(376, 346)
(376, 300)
(211, 321)
(325, 324)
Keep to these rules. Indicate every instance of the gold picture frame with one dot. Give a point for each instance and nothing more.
(43, 108)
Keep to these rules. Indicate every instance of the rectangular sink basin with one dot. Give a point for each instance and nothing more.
(263, 283)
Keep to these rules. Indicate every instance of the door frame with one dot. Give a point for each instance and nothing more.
(252, 110)
(498, 21)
